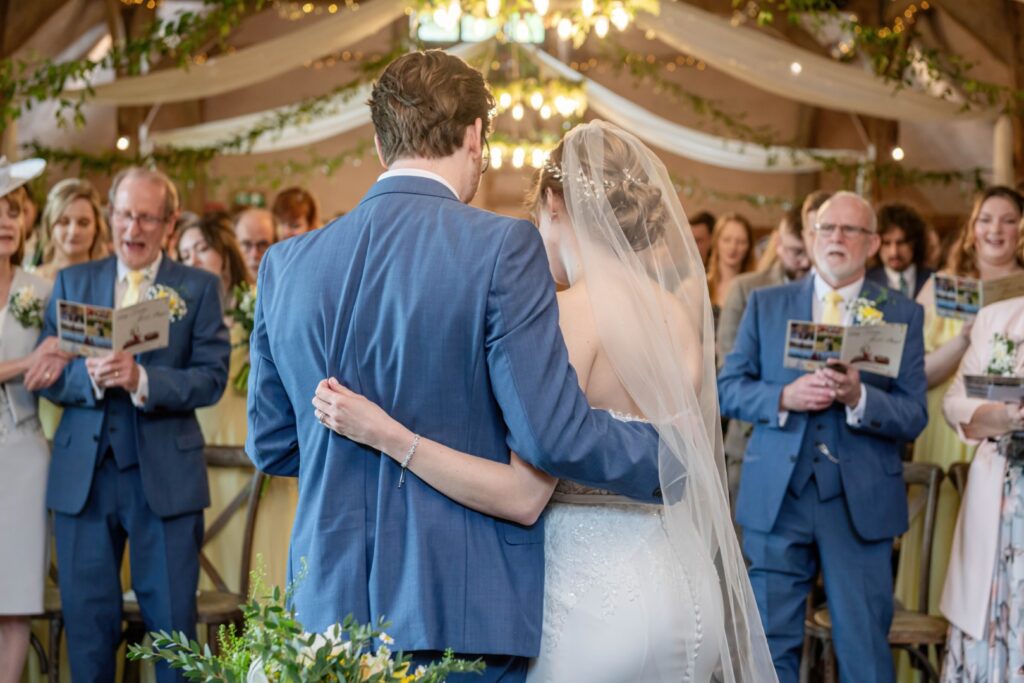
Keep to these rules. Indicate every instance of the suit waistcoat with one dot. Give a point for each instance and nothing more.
(823, 428)
(118, 430)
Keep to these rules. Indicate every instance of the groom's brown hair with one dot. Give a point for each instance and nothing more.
(423, 102)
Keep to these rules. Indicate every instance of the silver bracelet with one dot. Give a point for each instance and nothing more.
(408, 457)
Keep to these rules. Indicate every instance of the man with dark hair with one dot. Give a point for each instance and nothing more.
(445, 316)
(791, 264)
(903, 251)
(702, 225)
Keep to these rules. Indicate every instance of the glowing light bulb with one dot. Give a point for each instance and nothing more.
(897, 153)
(518, 111)
(587, 7)
(522, 31)
(601, 26)
(564, 29)
(518, 157)
(496, 157)
(123, 143)
(541, 6)
(505, 100)
(493, 8)
(537, 158)
(565, 105)
(537, 100)
(545, 112)
(795, 68)
(619, 16)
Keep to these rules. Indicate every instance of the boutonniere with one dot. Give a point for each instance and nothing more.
(26, 307)
(244, 313)
(1003, 360)
(174, 300)
(868, 311)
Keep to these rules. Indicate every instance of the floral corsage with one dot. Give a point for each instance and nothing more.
(868, 311)
(26, 307)
(1003, 361)
(174, 300)
(244, 313)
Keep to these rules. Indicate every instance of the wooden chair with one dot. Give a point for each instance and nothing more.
(220, 606)
(913, 631)
(957, 474)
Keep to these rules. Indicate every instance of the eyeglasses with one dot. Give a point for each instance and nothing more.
(125, 218)
(247, 245)
(486, 160)
(847, 231)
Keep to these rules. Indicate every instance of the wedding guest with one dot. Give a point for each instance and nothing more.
(809, 217)
(128, 454)
(982, 598)
(74, 227)
(186, 220)
(25, 456)
(732, 253)
(989, 246)
(902, 254)
(254, 229)
(701, 226)
(821, 486)
(296, 212)
(74, 231)
(791, 264)
(933, 253)
(210, 245)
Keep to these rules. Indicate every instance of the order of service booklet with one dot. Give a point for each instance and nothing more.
(97, 330)
(869, 348)
(963, 297)
(995, 388)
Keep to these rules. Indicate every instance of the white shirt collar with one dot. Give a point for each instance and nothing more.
(148, 273)
(418, 173)
(849, 292)
(894, 277)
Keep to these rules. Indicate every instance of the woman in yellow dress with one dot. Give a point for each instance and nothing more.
(989, 247)
(74, 230)
(211, 245)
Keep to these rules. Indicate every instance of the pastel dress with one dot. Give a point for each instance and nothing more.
(24, 464)
(225, 424)
(940, 445)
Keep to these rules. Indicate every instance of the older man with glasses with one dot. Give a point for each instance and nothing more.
(127, 461)
(254, 229)
(821, 487)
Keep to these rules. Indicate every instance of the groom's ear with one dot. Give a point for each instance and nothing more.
(473, 141)
(380, 154)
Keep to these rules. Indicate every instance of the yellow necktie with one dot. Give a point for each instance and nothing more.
(832, 315)
(134, 291)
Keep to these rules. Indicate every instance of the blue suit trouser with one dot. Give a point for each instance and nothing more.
(858, 586)
(164, 557)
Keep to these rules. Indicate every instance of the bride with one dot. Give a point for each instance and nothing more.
(633, 592)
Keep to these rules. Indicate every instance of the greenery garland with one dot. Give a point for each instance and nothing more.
(891, 53)
(25, 82)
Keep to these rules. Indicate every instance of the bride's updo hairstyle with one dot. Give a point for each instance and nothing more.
(637, 203)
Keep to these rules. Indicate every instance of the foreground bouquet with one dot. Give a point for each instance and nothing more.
(274, 648)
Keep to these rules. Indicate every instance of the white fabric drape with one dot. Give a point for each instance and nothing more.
(346, 114)
(255, 64)
(764, 62)
(687, 142)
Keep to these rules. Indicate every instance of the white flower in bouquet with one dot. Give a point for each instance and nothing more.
(26, 307)
(1003, 359)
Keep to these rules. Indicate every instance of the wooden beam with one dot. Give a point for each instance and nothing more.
(1014, 19)
(21, 20)
(984, 21)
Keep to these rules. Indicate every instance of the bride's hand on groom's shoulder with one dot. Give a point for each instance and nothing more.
(355, 417)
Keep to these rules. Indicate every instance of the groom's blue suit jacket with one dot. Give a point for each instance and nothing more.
(444, 315)
(750, 385)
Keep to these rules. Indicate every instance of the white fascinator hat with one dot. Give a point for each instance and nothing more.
(15, 174)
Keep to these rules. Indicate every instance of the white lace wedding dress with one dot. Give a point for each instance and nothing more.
(620, 605)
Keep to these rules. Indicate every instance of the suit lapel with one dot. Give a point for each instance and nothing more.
(803, 304)
(167, 275)
(107, 283)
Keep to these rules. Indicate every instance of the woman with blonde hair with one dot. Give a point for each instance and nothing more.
(989, 246)
(732, 253)
(74, 227)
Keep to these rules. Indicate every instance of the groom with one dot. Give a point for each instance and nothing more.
(445, 316)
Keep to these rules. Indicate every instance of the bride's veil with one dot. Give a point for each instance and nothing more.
(647, 288)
